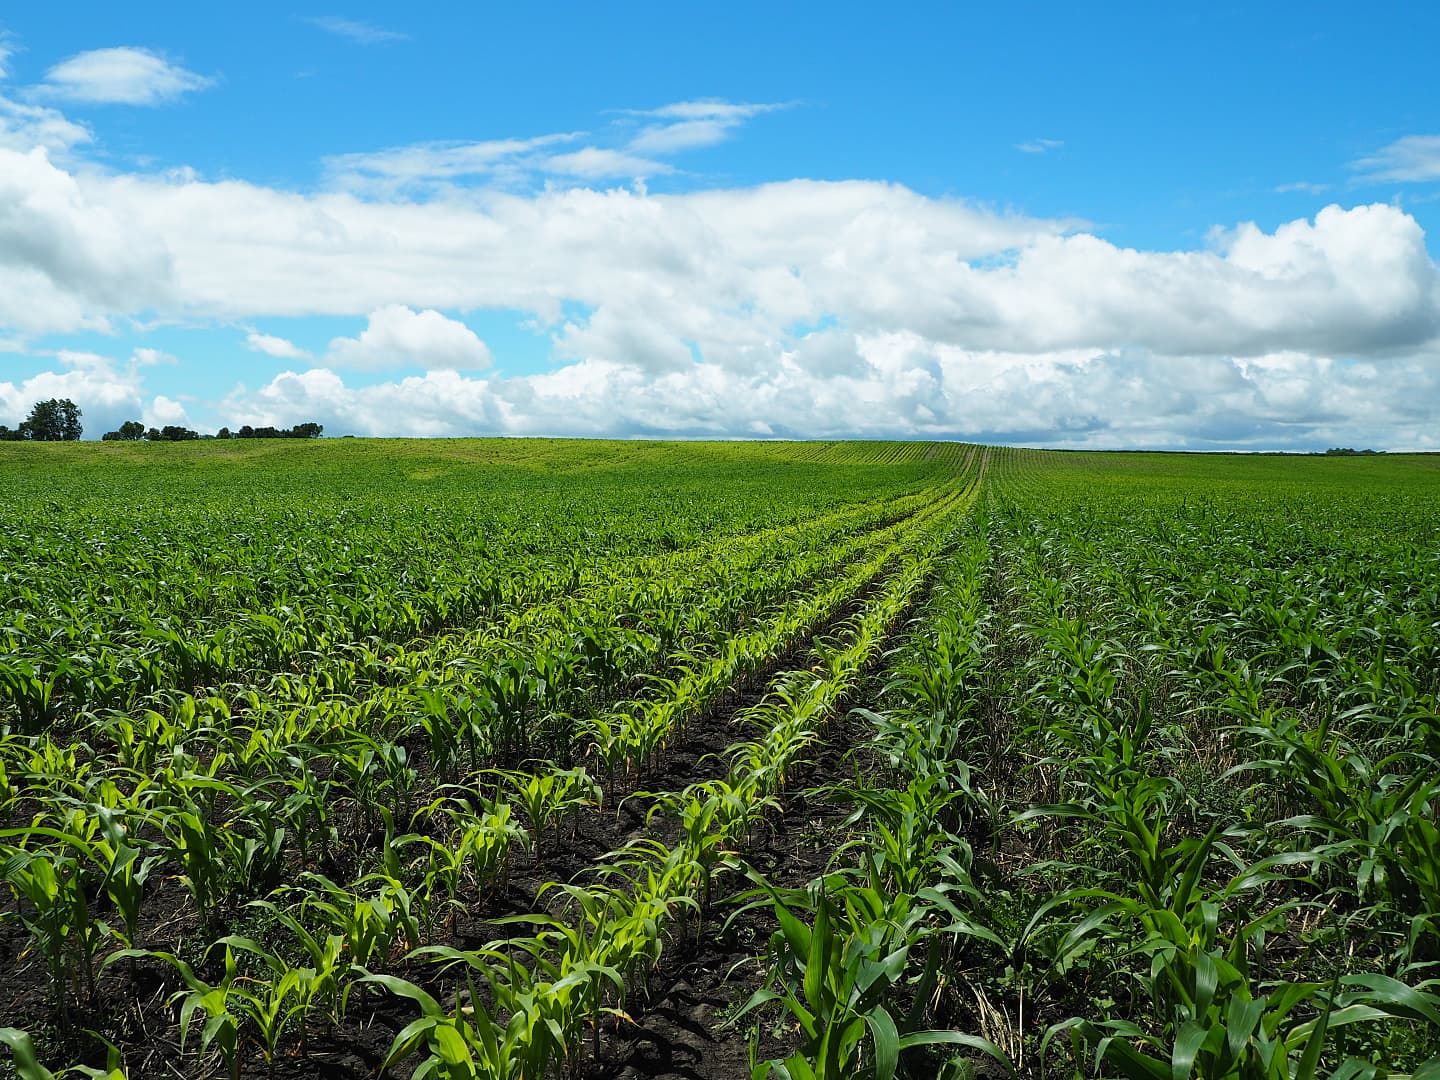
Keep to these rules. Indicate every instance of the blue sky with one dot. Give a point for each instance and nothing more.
(1117, 225)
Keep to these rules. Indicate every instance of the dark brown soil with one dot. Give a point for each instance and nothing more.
(681, 1034)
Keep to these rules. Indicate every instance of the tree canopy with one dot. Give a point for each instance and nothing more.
(53, 420)
(135, 431)
(299, 431)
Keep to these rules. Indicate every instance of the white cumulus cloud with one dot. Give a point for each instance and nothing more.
(163, 412)
(725, 273)
(24, 127)
(437, 403)
(902, 386)
(143, 357)
(123, 75)
(271, 345)
(107, 393)
(397, 336)
(68, 260)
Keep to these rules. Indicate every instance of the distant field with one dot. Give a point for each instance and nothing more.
(519, 758)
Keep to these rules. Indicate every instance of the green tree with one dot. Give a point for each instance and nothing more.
(129, 431)
(55, 420)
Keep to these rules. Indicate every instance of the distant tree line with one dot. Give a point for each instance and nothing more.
(58, 420)
(134, 431)
(299, 431)
(1347, 451)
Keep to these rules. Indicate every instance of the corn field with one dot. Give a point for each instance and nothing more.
(527, 759)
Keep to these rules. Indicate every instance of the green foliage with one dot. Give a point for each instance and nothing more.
(1147, 785)
(52, 420)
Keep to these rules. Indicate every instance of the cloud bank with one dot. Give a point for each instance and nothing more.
(730, 273)
(796, 308)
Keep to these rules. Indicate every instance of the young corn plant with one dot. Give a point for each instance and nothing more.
(452, 1039)
(658, 884)
(286, 993)
(201, 848)
(271, 1004)
(102, 843)
(50, 888)
(126, 870)
(1374, 825)
(35, 693)
(310, 816)
(910, 828)
(715, 817)
(519, 1036)
(257, 860)
(23, 1058)
(221, 1028)
(837, 976)
(1236, 1036)
(373, 921)
(329, 962)
(486, 840)
(551, 796)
